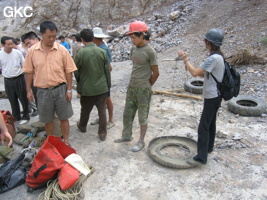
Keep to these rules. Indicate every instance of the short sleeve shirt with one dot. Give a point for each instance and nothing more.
(11, 64)
(143, 58)
(50, 68)
(213, 64)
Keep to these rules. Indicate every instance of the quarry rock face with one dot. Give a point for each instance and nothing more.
(18, 17)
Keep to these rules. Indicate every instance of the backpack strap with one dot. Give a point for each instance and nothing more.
(214, 78)
(218, 53)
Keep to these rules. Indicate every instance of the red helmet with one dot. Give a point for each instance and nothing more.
(137, 26)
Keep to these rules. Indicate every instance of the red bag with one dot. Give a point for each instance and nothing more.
(67, 176)
(48, 161)
(9, 121)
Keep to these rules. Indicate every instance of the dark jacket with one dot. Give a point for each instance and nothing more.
(93, 74)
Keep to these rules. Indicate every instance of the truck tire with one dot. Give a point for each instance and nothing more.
(194, 85)
(246, 106)
(157, 144)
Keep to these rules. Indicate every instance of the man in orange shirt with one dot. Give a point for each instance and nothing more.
(51, 66)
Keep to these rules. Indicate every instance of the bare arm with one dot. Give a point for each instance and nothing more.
(69, 86)
(188, 66)
(29, 80)
(155, 74)
(4, 134)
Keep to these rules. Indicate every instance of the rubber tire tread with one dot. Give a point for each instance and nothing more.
(156, 145)
(235, 108)
(189, 87)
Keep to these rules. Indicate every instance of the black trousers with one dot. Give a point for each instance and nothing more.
(207, 129)
(16, 91)
(87, 104)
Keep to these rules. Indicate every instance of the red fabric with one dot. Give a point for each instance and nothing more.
(48, 161)
(67, 176)
(9, 121)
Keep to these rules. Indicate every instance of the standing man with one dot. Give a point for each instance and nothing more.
(20, 48)
(144, 74)
(73, 42)
(64, 42)
(77, 46)
(52, 66)
(11, 61)
(30, 39)
(98, 40)
(93, 82)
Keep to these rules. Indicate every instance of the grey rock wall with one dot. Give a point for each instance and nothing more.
(74, 14)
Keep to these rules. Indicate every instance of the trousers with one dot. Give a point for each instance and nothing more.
(87, 104)
(137, 99)
(207, 129)
(16, 91)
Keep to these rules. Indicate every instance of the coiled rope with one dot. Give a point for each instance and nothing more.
(54, 191)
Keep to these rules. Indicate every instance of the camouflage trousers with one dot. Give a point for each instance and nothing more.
(136, 99)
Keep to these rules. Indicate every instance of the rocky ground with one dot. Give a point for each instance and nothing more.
(237, 167)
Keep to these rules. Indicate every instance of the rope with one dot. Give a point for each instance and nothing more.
(192, 102)
(54, 191)
(171, 101)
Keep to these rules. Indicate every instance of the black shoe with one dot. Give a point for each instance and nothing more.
(83, 130)
(195, 162)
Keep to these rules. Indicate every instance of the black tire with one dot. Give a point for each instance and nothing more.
(157, 144)
(194, 85)
(246, 106)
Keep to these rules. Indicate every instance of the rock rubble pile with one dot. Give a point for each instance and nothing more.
(164, 26)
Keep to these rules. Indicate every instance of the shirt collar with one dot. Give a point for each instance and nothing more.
(38, 45)
(90, 44)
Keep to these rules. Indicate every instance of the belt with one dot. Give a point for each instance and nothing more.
(13, 78)
(54, 87)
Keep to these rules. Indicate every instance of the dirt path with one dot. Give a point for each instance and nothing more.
(235, 170)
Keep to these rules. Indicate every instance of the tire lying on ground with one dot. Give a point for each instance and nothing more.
(194, 85)
(157, 145)
(246, 106)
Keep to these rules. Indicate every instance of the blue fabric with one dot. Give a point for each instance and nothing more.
(66, 45)
(104, 46)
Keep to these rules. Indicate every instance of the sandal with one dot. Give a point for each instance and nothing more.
(138, 147)
(110, 125)
(120, 140)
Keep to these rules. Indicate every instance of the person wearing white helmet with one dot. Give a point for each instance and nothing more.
(144, 74)
(98, 40)
(214, 65)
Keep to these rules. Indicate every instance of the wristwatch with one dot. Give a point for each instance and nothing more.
(69, 91)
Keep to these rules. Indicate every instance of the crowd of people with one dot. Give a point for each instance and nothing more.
(38, 73)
